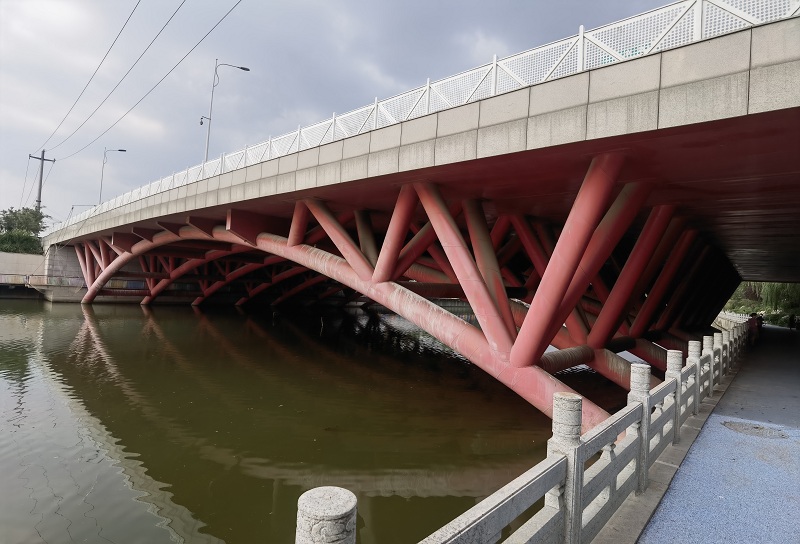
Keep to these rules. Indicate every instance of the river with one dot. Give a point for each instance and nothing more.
(125, 424)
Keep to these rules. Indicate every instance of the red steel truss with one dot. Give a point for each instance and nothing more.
(591, 286)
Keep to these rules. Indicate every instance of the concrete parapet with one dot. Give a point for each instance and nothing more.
(458, 120)
(504, 108)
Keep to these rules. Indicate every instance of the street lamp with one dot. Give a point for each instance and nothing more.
(214, 83)
(102, 171)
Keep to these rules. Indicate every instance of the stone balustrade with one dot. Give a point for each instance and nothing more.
(585, 478)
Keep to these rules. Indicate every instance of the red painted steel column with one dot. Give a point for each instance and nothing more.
(531, 244)
(91, 278)
(656, 295)
(589, 206)
(617, 305)
(486, 260)
(299, 226)
(695, 270)
(489, 317)
(235, 275)
(424, 240)
(662, 252)
(499, 230)
(395, 234)
(531, 383)
(605, 238)
(341, 239)
(366, 236)
(82, 262)
(186, 267)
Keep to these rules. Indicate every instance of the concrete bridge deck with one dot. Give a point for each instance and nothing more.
(740, 480)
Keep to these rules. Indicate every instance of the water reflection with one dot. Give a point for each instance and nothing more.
(215, 423)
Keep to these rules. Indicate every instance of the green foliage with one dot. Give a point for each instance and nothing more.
(775, 301)
(26, 220)
(19, 242)
(19, 230)
(780, 295)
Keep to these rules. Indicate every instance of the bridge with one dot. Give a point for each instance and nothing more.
(579, 195)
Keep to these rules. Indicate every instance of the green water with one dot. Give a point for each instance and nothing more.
(127, 425)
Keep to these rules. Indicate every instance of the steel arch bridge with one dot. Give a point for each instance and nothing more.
(628, 240)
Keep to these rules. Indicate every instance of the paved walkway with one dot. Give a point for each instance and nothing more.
(740, 480)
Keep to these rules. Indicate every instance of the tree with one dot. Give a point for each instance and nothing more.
(781, 295)
(19, 230)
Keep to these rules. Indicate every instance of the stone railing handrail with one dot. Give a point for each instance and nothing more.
(670, 26)
(579, 501)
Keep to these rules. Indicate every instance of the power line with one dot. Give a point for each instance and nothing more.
(41, 165)
(91, 78)
(157, 84)
(42, 160)
(123, 78)
(25, 183)
(48, 174)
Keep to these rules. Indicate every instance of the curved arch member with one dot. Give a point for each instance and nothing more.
(187, 267)
(530, 382)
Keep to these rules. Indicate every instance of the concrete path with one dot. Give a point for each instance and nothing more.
(740, 480)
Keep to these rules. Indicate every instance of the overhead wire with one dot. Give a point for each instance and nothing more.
(91, 78)
(157, 83)
(122, 79)
(25, 183)
(145, 96)
(41, 165)
(52, 164)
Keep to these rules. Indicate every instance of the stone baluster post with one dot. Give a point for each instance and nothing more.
(640, 392)
(694, 358)
(718, 358)
(566, 440)
(739, 339)
(674, 366)
(326, 514)
(728, 346)
(708, 349)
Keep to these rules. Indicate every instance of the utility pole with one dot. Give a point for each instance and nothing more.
(41, 172)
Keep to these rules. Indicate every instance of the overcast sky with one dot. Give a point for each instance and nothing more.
(308, 59)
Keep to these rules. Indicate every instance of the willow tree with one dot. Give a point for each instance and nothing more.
(780, 295)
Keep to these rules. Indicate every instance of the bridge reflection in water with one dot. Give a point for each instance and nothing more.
(221, 421)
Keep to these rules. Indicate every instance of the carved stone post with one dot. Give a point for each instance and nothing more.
(728, 348)
(694, 358)
(640, 392)
(674, 366)
(719, 356)
(708, 349)
(326, 514)
(566, 440)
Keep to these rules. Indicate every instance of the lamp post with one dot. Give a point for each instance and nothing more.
(102, 171)
(214, 83)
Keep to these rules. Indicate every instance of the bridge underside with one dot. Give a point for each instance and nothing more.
(627, 243)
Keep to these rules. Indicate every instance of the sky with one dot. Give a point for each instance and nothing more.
(307, 60)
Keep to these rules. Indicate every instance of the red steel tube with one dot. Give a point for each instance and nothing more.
(586, 213)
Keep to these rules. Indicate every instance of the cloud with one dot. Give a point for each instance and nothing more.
(482, 47)
(308, 58)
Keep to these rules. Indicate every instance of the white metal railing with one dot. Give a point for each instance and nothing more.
(579, 500)
(663, 28)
